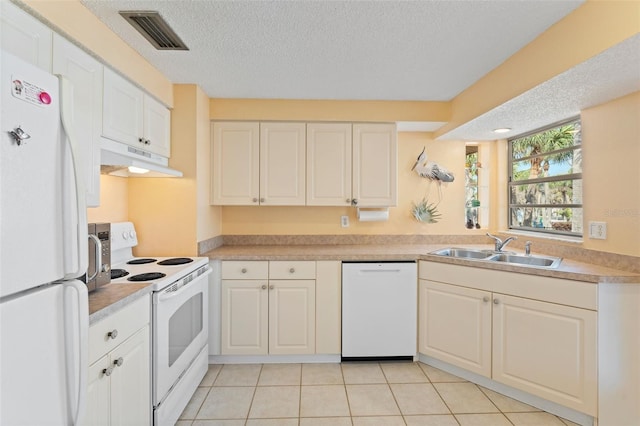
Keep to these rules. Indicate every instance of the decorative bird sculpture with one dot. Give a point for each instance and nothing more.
(431, 170)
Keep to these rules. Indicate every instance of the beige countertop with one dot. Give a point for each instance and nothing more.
(569, 268)
(112, 297)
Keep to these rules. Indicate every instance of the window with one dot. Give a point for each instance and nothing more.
(545, 180)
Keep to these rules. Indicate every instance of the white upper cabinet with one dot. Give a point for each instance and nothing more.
(282, 164)
(375, 165)
(24, 36)
(329, 164)
(133, 118)
(236, 163)
(297, 164)
(85, 73)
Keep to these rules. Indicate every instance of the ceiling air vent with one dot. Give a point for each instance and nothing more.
(151, 25)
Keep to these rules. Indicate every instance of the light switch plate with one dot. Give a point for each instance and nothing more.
(598, 230)
(344, 221)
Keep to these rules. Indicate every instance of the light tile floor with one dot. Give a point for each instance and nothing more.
(353, 394)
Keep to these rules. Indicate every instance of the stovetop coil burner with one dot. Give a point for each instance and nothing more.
(140, 261)
(118, 273)
(149, 276)
(175, 261)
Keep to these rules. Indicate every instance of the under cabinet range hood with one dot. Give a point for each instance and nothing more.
(118, 159)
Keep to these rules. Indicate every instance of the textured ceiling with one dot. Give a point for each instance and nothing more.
(358, 50)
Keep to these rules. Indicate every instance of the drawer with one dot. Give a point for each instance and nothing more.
(245, 270)
(292, 270)
(126, 322)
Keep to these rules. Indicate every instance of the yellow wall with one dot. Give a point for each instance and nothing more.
(324, 110)
(611, 141)
(114, 192)
(70, 17)
(411, 188)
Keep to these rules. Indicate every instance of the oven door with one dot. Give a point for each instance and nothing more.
(180, 331)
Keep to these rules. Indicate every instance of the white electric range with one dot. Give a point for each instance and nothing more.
(180, 318)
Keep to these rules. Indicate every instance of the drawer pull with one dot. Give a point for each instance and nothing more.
(292, 270)
(107, 371)
(118, 362)
(244, 270)
(112, 334)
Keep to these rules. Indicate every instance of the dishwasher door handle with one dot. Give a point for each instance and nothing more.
(379, 270)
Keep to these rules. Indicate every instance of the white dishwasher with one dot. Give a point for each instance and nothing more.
(379, 310)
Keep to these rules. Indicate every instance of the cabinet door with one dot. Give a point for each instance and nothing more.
(547, 350)
(122, 116)
(292, 317)
(97, 409)
(282, 164)
(244, 317)
(455, 325)
(24, 36)
(86, 75)
(157, 127)
(131, 381)
(328, 164)
(375, 165)
(236, 163)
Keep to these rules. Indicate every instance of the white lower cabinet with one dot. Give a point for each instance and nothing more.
(119, 380)
(269, 308)
(268, 316)
(542, 347)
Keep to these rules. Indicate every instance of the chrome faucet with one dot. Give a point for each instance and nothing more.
(527, 248)
(499, 243)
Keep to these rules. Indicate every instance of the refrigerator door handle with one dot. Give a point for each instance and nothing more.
(66, 115)
(78, 364)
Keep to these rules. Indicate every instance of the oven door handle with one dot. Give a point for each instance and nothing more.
(166, 295)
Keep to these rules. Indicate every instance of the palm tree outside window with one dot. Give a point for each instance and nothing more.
(545, 181)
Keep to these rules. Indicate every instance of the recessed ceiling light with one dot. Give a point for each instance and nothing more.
(502, 130)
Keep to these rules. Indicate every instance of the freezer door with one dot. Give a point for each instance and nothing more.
(39, 218)
(41, 364)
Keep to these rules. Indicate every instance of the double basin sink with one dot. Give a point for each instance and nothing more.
(509, 258)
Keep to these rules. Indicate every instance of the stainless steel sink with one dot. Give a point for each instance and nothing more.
(463, 253)
(538, 261)
(535, 261)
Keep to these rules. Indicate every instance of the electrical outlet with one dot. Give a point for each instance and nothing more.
(344, 221)
(598, 230)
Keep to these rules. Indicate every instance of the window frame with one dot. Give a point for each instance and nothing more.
(546, 179)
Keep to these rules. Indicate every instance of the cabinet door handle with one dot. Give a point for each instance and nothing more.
(292, 270)
(255, 200)
(243, 270)
(262, 200)
(141, 140)
(348, 200)
(107, 371)
(496, 301)
(271, 287)
(147, 142)
(485, 299)
(112, 334)
(264, 286)
(118, 362)
(354, 202)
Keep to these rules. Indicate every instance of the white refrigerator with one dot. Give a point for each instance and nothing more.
(43, 249)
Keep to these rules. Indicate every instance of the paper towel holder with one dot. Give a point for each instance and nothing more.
(373, 214)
